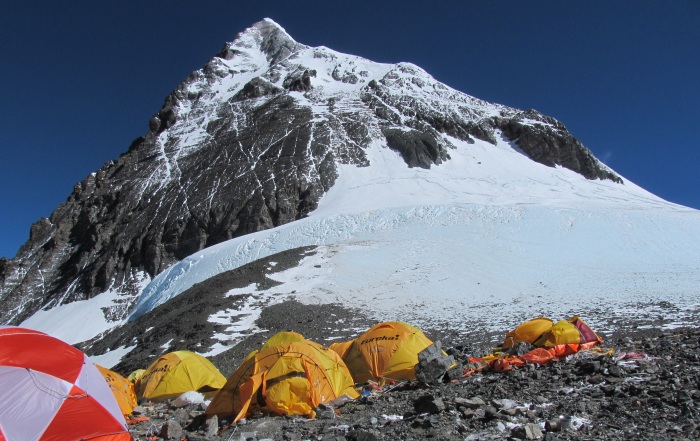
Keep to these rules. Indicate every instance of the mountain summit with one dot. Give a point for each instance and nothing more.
(253, 141)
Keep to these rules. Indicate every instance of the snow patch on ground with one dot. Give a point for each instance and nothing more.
(241, 321)
(111, 358)
(80, 321)
(75, 322)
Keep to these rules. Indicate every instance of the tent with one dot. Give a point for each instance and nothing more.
(176, 373)
(566, 337)
(278, 339)
(136, 375)
(387, 351)
(122, 389)
(52, 391)
(286, 376)
(550, 340)
(562, 338)
(528, 332)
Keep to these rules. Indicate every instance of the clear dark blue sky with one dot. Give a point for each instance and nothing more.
(80, 78)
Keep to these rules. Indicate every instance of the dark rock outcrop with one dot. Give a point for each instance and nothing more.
(416, 148)
(257, 88)
(547, 141)
(296, 82)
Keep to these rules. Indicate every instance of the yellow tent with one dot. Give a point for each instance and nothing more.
(287, 378)
(122, 389)
(135, 375)
(388, 351)
(563, 337)
(568, 332)
(178, 372)
(528, 332)
(278, 339)
(561, 333)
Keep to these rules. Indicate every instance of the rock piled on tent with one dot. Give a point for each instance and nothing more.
(433, 364)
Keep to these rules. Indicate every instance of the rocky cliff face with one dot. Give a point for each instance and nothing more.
(249, 142)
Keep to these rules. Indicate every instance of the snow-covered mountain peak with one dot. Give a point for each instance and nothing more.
(256, 138)
(268, 38)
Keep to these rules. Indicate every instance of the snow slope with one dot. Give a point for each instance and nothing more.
(480, 242)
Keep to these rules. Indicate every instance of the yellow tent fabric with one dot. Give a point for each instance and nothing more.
(136, 375)
(178, 372)
(388, 351)
(122, 389)
(290, 378)
(278, 339)
(528, 331)
(342, 348)
(562, 332)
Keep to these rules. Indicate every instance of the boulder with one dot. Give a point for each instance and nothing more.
(428, 404)
(211, 427)
(432, 365)
(171, 430)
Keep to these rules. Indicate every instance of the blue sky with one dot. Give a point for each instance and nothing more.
(80, 79)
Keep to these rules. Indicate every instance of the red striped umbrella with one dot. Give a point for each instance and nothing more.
(51, 391)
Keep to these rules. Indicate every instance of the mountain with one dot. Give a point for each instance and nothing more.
(283, 172)
(250, 142)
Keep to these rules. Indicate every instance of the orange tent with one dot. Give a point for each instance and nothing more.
(387, 351)
(287, 376)
(551, 341)
(122, 389)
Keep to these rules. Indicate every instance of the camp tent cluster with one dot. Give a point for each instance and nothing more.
(290, 375)
(48, 385)
(287, 375)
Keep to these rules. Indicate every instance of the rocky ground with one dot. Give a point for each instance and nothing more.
(646, 390)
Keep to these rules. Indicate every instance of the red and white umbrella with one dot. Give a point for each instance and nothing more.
(50, 390)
